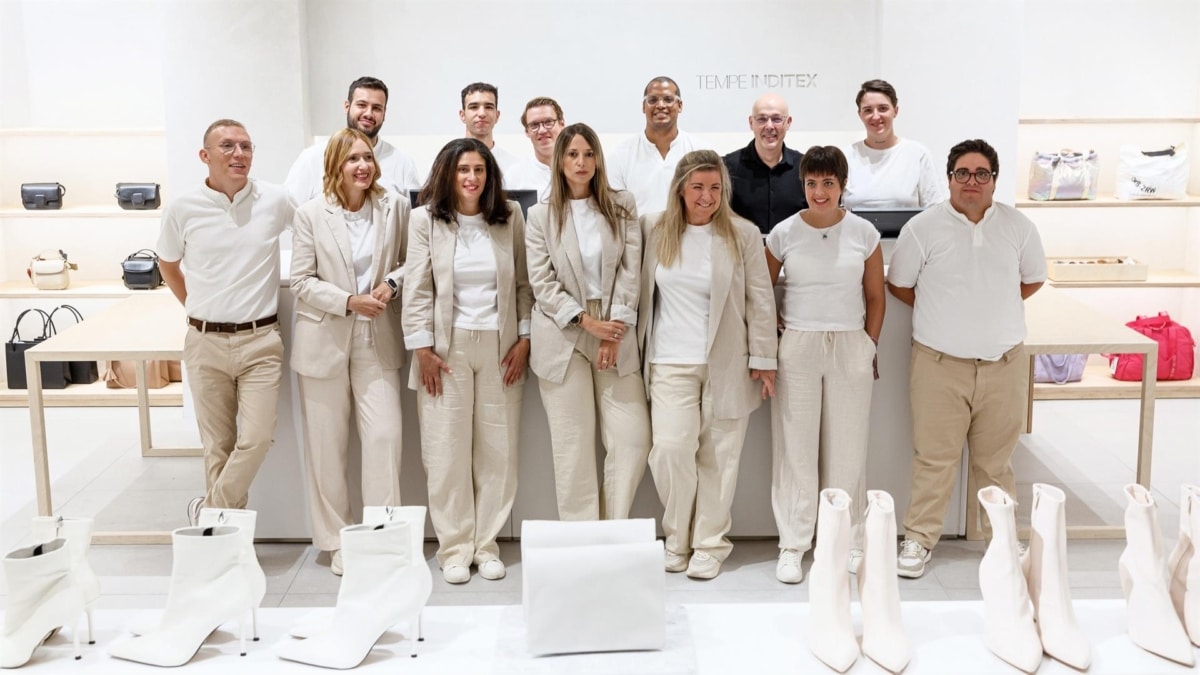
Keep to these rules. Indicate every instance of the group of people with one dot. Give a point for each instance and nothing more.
(638, 291)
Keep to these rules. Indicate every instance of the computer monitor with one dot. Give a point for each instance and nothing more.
(526, 198)
(889, 222)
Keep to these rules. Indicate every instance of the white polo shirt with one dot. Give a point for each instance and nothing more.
(968, 278)
(529, 174)
(636, 165)
(397, 171)
(230, 250)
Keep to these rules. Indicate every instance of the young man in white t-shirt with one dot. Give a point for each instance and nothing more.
(480, 113)
(543, 122)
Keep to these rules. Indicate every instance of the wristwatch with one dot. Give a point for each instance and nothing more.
(393, 285)
(577, 319)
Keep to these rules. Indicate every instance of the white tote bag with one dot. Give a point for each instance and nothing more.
(1153, 174)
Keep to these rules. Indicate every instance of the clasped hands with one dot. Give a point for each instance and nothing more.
(371, 305)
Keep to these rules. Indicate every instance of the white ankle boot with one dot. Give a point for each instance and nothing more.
(1184, 564)
(383, 584)
(1153, 624)
(78, 533)
(1045, 564)
(208, 588)
(831, 631)
(884, 640)
(1008, 628)
(42, 596)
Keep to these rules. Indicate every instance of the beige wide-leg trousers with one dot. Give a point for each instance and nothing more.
(469, 449)
(325, 405)
(694, 459)
(234, 378)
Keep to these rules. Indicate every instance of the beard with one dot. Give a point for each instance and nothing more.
(370, 134)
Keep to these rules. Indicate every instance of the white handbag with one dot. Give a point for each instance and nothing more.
(1153, 174)
(50, 270)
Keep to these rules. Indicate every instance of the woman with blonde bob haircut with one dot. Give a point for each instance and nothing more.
(347, 350)
(706, 324)
(585, 250)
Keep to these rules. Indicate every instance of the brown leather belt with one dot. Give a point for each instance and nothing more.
(215, 327)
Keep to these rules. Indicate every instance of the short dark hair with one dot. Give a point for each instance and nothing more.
(824, 160)
(366, 82)
(662, 78)
(439, 192)
(539, 102)
(480, 86)
(974, 145)
(224, 122)
(877, 87)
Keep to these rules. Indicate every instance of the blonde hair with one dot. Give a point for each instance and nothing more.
(560, 191)
(671, 226)
(336, 152)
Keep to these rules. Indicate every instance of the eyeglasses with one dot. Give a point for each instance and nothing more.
(982, 176)
(228, 147)
(762, 120)
(665, 100)
(533, 127)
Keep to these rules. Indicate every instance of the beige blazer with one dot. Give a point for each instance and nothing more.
(741, 318)
(557, 276)
(322, 279)
(428, 311)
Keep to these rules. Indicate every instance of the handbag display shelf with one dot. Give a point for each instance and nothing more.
(55, 374)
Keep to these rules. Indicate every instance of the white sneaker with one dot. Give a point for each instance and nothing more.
(335, 563)
(913, 556)
(456, 574)
(674, 562)
(492, 569)
(856, 556)
(788, 568)
(703, 566)
(193, 511)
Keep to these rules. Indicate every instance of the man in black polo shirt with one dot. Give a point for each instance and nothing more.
(765, 173)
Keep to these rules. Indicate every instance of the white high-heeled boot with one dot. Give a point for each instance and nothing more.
(1045, 563)
(78, 533)
(1153, 624)
(383, 584)
(830, 629)
(884, 640)
(1008, 628)
(208, 588)
(42, 596)
(1183, 565)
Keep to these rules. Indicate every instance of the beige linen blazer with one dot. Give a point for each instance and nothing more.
(429, 282)
(322, 279)
(741, 318)
(557, 276)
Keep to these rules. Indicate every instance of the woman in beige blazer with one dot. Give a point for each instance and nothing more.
(707, 328)
(347, 265)
(585, 250)
(466, 318)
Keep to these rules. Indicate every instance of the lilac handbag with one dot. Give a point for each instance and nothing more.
(1058, 368)
(1063, 175)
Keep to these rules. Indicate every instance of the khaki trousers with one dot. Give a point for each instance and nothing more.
(820, 423)
(325, 405)
(694, 460)
(234, 379)
(469, 449)
(956, 400)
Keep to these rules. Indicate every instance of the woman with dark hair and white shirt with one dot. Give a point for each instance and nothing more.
(466, 317)
(584, 249)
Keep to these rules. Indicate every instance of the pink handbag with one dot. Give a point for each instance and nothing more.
(1176, 350)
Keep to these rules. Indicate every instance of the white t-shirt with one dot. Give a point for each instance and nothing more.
(823, 272)
(475, 302)
(507, 161)
(590, 229)
(684, 291)
(968, 278)
(397, 171)
(361, 228)
(529, 174)
(230, 250)
(903, 176)
(636, 165)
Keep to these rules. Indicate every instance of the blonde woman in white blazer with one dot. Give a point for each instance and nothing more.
(347, 265)
(585, 249)
(466, 318)
(706, 324)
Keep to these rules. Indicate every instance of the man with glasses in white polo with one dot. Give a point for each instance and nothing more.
(542, 121)
(966, 267)
(766, 173)
(645, 164)
(219, 254)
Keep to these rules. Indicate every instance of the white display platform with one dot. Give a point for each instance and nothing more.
(945, 637)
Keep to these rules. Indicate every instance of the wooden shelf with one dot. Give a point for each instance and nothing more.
(1098, 383)
(98, 211)
(94, 395)
(1109, 120)
(1160, 279)
(1110, 201)
(82, 288)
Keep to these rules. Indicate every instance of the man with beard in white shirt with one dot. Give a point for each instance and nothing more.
(480, 113)
(542, 121)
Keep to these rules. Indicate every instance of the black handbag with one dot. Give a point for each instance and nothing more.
(140, 271)
(79, 372)
(42, 196)
(54, 373)
(138, 196)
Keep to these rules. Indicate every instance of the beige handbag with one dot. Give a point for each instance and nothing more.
(123, 374)
(50, 270)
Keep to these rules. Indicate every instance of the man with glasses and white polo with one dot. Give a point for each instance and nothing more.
(766, 173)
(966, 267)
(542, 121)
(219, 254)
(645, 164)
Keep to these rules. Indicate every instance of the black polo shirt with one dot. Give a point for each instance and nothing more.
(763, 195)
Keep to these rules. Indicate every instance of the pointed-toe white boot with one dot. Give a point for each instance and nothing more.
(383, 584)
(1008, 627)
(208, 588)
(1153, 623)
(78, 533)
(1046, 576)
(884, 640)
(42, 596)
(830, 629)
(1184, 564)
